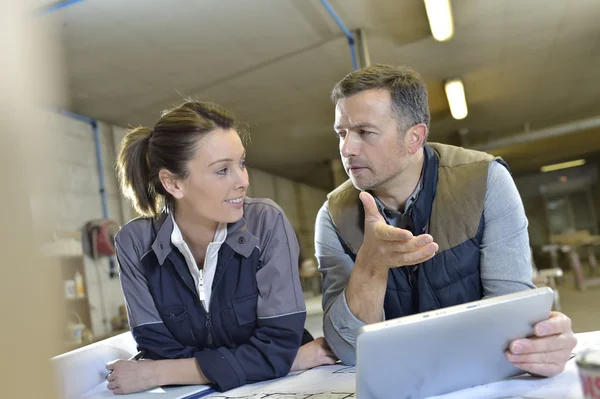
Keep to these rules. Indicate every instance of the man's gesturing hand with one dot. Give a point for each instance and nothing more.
(385, 246)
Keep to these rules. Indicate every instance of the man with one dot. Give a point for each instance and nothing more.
(419, 226)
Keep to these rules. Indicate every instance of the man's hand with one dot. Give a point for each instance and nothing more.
(547, 352)
(129, 376)
(313, 354)
(386, 246)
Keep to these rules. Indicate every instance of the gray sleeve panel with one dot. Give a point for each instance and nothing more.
(506, 265)
(280, 292)
(340, 328)
(335, 264)
(129, 244)
(344, 351)
(340, 324)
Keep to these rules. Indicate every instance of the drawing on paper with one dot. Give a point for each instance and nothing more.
(323, 395)
(346, 370)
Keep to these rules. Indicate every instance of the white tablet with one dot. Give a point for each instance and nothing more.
(445, 350)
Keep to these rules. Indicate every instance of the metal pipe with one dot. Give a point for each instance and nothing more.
(73, 115)
(100, 169)
(102, 186)
(535, 135)
(347, 32)
(102, 189)
(94, 124)
(57, 6)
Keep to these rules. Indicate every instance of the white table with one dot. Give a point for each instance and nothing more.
(80, 370)
(338, 382)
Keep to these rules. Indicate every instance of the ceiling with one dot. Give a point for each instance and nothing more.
(274, 62)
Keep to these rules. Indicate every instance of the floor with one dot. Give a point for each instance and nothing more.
(582, 307)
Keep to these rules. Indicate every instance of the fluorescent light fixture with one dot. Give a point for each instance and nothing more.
(564, 165)
(455, 92)
(439, 13)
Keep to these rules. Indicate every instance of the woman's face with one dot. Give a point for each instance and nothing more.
(218, 179)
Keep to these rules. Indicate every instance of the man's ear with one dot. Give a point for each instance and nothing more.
(415, 138)
(171, 183)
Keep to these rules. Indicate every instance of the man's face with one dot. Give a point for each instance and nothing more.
(371, 145)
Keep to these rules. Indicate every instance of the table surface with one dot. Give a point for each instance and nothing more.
(338, 382)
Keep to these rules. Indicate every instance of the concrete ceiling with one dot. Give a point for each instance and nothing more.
(274, 62)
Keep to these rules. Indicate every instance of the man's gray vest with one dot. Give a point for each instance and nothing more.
(450, 208)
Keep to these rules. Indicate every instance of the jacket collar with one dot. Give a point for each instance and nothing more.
(238, 237)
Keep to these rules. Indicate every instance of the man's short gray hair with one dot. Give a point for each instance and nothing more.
(407, 89)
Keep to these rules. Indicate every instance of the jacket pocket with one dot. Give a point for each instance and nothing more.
(245, 309)
(177, 321)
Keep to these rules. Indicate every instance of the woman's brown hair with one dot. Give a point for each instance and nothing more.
(170, 145)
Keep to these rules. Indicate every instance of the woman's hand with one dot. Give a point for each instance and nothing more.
(313, 354)
(129, 376)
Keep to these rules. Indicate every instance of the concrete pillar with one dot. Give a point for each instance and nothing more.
(362, 50)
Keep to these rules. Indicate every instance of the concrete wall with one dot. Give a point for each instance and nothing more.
(74, 199)
(299, 201)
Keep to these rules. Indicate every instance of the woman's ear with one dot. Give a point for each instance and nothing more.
(171, 183)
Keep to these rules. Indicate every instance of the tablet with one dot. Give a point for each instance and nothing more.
(446, 350)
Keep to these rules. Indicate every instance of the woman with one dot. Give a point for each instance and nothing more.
(209, 276)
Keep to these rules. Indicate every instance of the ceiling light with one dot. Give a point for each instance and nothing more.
(439, 13)
(564, 165)
(455, 92)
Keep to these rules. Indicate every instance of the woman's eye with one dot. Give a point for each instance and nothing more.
(243, 164)
(222, 171)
